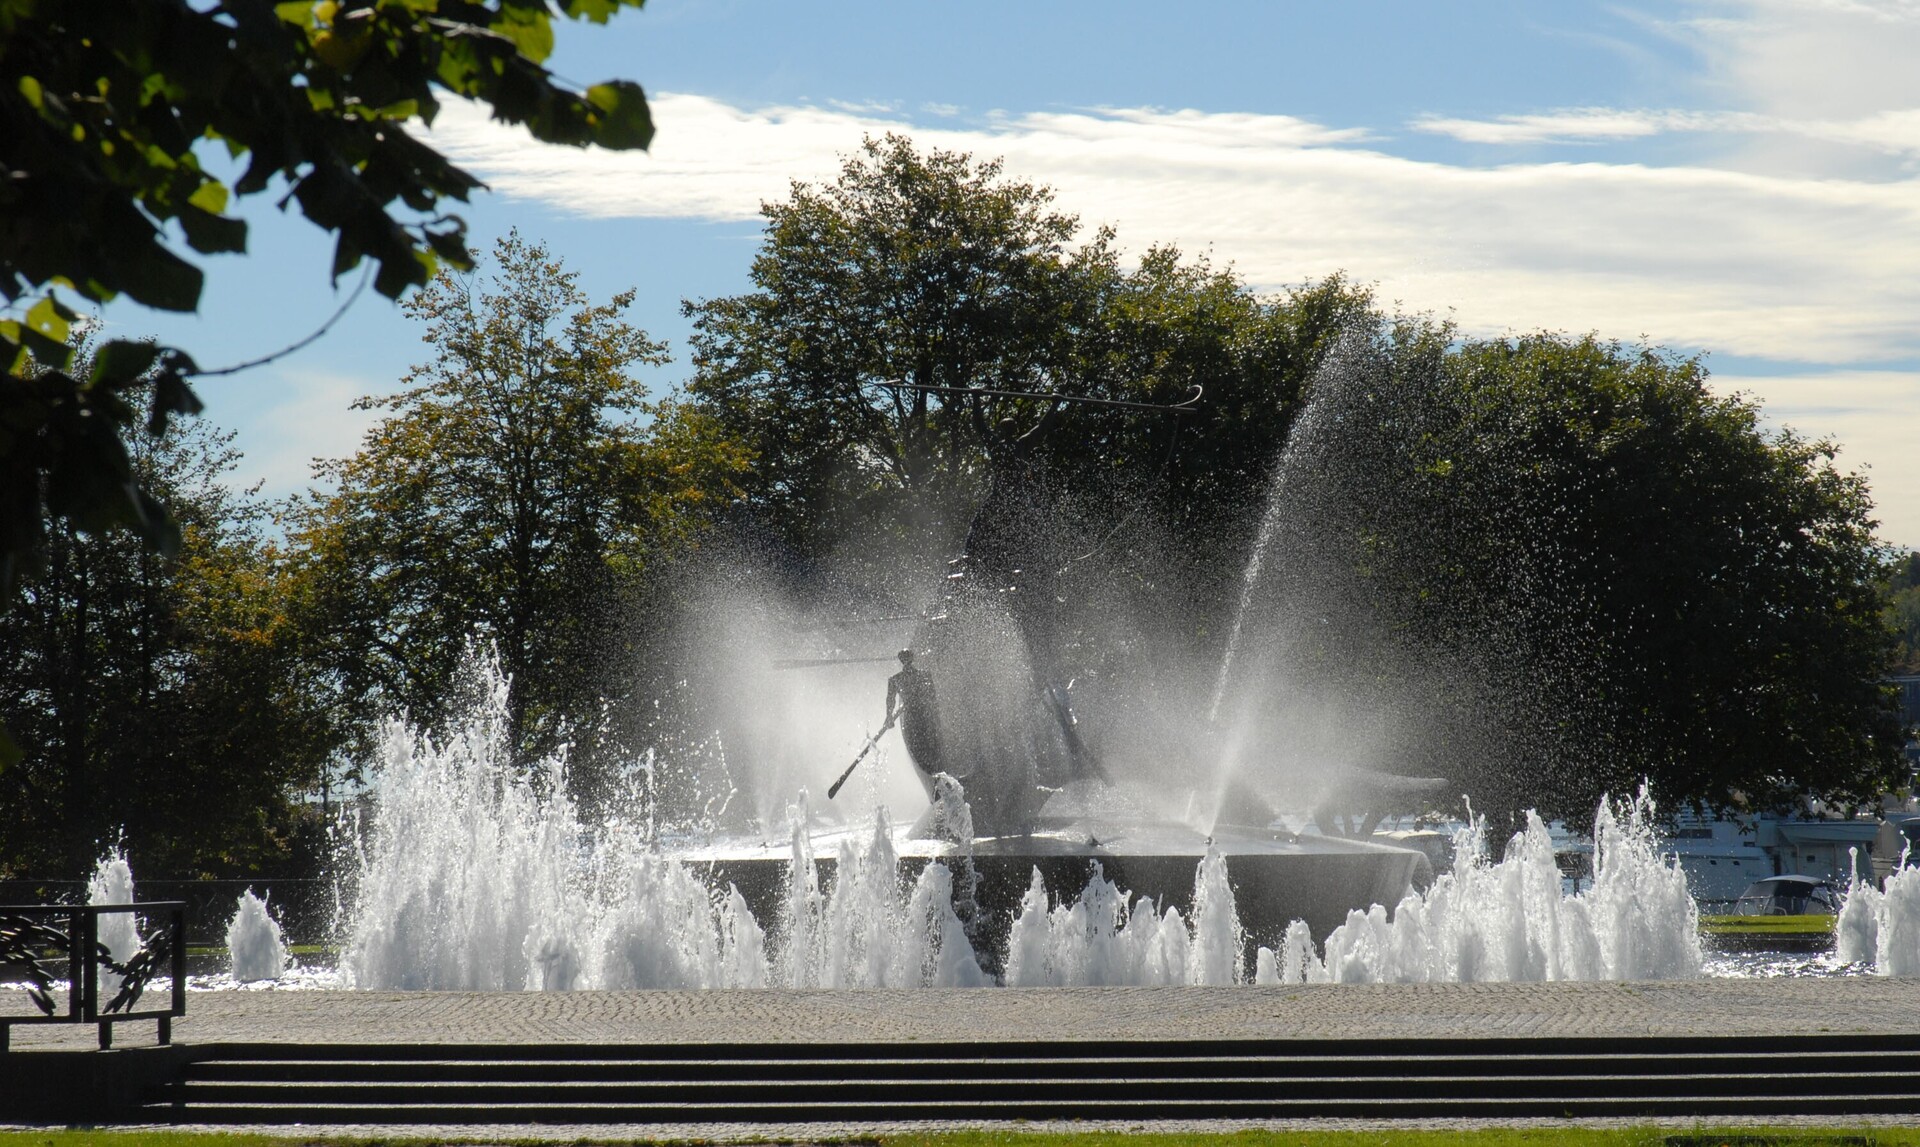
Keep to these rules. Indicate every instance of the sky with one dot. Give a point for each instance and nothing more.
(1733, 178)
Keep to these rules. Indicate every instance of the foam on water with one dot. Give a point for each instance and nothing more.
(1512, 920)
(256, 950)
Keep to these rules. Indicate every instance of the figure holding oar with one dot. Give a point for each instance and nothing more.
(910, 701)
(910, 698)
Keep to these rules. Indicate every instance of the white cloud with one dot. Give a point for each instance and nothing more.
(1568, 125)
(1799, 269)
(1808, 59)
(1891, 132)
(1870, 414)
(288, 420)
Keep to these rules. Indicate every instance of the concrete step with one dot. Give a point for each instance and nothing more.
(857, 1111)
(999, 1090)
(1211, 1067)
(742, 1083)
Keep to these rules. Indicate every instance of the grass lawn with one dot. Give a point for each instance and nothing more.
(1535, 1137)
(1805, 927)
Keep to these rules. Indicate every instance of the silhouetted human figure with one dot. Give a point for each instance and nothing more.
(911, 691)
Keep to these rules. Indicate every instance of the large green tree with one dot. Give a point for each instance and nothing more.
(514, 488)
(113, 115)
(921, 268)
(162, 696)
(937, 269)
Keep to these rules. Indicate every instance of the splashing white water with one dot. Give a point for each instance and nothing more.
(476, 875)
(865, 934)
(256, 949)
(1511, 920)
(112, 883)
(1881, 925)
(473, 879)
(1106, 937)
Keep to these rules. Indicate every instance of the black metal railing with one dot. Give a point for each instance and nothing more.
(56, 945)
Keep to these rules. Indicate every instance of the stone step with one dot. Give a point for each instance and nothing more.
(1003, 1090)
(853, 1083)
(847, 1110)
(1819, 1063)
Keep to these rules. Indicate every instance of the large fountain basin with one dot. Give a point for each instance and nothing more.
(1277, 877)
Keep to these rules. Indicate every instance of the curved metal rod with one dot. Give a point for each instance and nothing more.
(1182, 407)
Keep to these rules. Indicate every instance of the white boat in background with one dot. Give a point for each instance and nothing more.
(1724, 855)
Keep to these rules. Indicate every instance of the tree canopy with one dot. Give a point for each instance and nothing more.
(161, 697)
(938, 270)
(1540, 567)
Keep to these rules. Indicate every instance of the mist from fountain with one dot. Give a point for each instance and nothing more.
(256, 948)
(1286, 716)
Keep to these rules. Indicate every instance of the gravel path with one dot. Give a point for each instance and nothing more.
(1622, 1010)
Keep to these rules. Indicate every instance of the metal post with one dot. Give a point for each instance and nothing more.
(179, 1007)
(90, 998)
(76, 962)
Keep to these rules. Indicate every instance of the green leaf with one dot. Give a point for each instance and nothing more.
(122, 361)
(530, 31)
(9, 751)
(13, 344)
(598, 11)
(625, 121)
(46, 319)
(161, 279)
(171, 395)
(31, 90)
(211, 197)
(212, 234)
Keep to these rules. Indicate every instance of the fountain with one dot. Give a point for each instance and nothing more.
(256, 949)
(475, 876)
(1512, 919)
(1031, 865)
(1881, 925)
(112, 883)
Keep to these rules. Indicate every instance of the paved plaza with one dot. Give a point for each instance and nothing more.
(1865, 1004)
(1875, 1005)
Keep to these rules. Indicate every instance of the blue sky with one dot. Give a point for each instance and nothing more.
(1732, 177)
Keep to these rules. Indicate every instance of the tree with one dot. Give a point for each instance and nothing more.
(1903, 610)
(1584, 568)
(939, 270)
(109, 111)
(159, 696)
(507, 496)
(927, 269)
